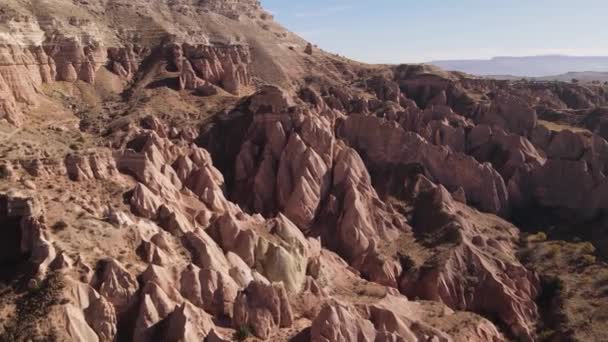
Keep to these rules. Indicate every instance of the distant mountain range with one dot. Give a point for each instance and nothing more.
(583, 77)
(532, 66)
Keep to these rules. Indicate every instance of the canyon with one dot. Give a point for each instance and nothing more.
(192, 171)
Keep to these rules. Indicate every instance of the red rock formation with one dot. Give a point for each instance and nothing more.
(461, 277)
(99, 165)
(263, 308)
(384, 142)
(314, 214)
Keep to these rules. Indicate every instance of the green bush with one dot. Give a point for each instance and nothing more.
(242, 333)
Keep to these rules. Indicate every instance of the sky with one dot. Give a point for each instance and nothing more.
(402, 31)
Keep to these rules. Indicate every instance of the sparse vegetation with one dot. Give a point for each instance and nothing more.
(59, 225)
(407, 263)
(552, 251)
(546, 335)
(33, 306)
(587, 260)
(242, 333)
(538, 237)
(602, 278)
(587, 248)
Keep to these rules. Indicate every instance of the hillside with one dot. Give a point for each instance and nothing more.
(192, 171)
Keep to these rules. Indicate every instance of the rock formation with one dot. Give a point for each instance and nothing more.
(187, 170)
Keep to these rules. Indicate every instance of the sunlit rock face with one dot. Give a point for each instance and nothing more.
(192, 171)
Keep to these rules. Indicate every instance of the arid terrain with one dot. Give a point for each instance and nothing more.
(192, 171)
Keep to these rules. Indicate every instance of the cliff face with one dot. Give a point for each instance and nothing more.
(72, 41)
(190, 170)
(35, 57)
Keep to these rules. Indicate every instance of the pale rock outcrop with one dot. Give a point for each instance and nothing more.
(339, 323)
(240, 271)
(224, 66)
(20, 81)
(219, 292)
(357, 225)
(264, 308)
(116, 284)
(174, 221)
(154, 307)
(156, 251)
(290, 163)
(282, 258)
(145, 203)
(187, 323)
(205, 251)
(35, 243)
(395, 316)
(199, 66)
(98, 312)
(117, 217)
(231, 234)
(76, 327)
(97, 165)
(25, 239)
(212, 271)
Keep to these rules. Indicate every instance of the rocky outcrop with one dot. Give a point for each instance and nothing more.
(236, 9)
(197, 67)
(393, 319)
(481, 260)
(89, 311)
(510, 112)
(508, 153)
(25, 235)
(355, 218)
(125, 61)
(93, 166)
(284, 257)
(263, 308)
(340, 324)
(385, 144)
(26, 67)
(344, 210)
(116, 284)
(578, 157)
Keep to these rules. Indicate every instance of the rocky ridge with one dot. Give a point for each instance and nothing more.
(320, 199)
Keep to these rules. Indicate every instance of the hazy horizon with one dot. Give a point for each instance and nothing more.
(393, 31)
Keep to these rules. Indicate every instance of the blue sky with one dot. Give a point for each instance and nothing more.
(394, 31)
